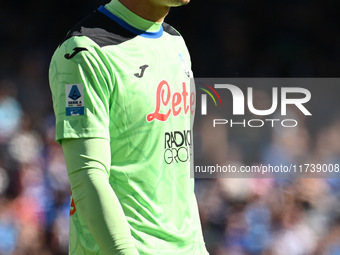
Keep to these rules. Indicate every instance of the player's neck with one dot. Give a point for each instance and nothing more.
(146, 10)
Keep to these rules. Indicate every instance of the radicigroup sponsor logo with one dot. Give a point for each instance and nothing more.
(177, 146)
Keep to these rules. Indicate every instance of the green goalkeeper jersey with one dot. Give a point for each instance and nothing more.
(119, 77)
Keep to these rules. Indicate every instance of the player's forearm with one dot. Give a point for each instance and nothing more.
(94, 198)
(98, 205)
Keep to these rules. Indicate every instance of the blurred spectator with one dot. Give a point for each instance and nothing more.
(10, 110)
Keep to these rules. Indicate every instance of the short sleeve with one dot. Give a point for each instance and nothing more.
(81, 86)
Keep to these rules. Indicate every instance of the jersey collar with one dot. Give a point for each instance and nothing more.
(130, 21)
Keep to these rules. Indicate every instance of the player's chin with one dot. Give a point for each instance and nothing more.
(175, 3)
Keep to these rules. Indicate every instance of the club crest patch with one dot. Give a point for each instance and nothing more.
(74, 94)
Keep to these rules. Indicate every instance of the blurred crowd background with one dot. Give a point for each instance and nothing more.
(226, 38)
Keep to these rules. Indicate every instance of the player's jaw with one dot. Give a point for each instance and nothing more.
(173, 3)
(170, 3)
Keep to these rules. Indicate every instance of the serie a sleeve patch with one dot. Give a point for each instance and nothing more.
(74, 95)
